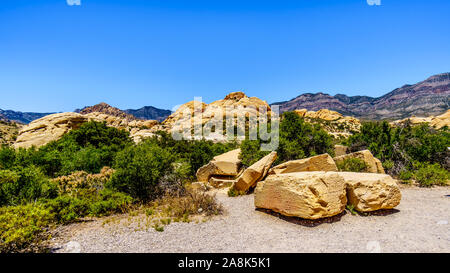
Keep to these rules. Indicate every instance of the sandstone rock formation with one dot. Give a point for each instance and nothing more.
(373, 164)
(435, 121)
(53, 127)
(370, 191)
(232, 104)
(8, 131)
(48, 128)
(322, 162)
(309, 195)
(333, 122)
(255, 172)
(340, 150)
(227, 164)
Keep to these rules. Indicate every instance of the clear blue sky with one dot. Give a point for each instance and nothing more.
(131, 53)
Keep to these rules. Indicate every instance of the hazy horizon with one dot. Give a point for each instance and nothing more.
(129, 54)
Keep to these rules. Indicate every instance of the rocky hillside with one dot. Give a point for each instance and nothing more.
(234, 100)
(435, 121)
(333, 122)
(149, 112)
(22, 117)
(52, 127)
(426, 98)
(106, 109)
(8, 132)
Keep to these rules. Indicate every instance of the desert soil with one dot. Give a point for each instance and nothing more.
(418, 224)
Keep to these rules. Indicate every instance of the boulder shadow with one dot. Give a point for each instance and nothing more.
(302, 221)
(381, 212)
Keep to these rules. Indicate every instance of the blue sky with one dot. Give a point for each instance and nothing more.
(131, 53)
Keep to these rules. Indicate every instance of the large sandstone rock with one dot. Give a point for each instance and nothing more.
(336, 124)
(370, 191)
(234, 104)
(227, 164)
(309, 195)
(255, 172)
(52, 127)
(322, 162)
(434, 121)
(46, 129)
(374, 164)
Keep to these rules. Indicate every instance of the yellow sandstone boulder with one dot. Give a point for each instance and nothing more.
(255, 172)
(227, 164)
(370, 191)
(309, 195)
(322, 162)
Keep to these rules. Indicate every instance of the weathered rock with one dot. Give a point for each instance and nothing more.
(48, 128)
(370, 191)
(435, 121)
(340, 150)
(234, 104)
(255, 172)
(227, 164)
(373, 164)
(322, 162)
(52, 127)
(221, 182)
(309, 195)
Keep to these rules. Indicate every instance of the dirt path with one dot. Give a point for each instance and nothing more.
(420, 224)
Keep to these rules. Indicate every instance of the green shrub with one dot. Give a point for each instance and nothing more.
(23, 226)
(251, 152)
(299, 139)
(110, 202)
(232, 192)
(431, 174)
(352, 165)
(23, 185)
(139, 170)
(405, 176)
(399, 147)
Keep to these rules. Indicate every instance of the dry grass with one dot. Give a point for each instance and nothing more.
(185, 206)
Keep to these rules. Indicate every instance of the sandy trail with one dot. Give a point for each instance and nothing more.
(420, 224)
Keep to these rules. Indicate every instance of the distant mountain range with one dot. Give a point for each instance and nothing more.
(426, 98)
(429, 97)
(22, 117)
(149, 112)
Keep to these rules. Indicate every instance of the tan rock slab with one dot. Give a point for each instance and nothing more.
(323, 162)
(371, 191)
(227, 164)
(309, 195)
(255, 172)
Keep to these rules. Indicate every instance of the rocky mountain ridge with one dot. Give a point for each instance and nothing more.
(426, 98)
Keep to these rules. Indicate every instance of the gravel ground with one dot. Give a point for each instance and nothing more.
(419, 224)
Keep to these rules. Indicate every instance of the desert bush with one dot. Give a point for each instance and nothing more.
(251, 152)
(23, 185)
(139, 170)
(299, 139)
(400, 147)
(431, 174)
(24, 226)
(190, 203)
(80, 183)
(352, 165)
(232, 192)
